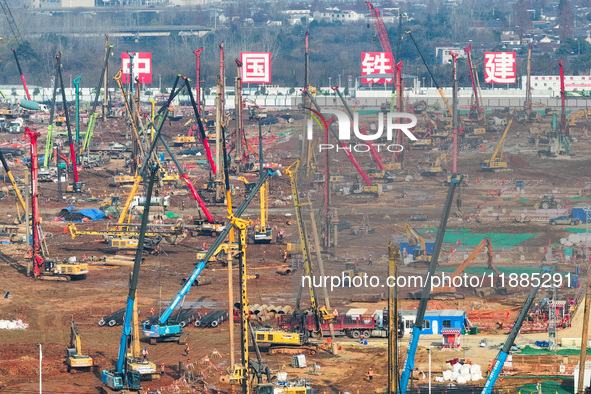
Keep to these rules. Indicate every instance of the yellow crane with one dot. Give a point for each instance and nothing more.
(414, 238)
(75, 358)
(135, 361)
(496, 161)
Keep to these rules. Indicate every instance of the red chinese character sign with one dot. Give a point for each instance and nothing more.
(376, 63)
(142, 67)
(500, 67)
(256, 67)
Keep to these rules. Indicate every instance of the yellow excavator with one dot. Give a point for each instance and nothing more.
(435, 168)
(414, 238)
(496, 161)
(74, 357)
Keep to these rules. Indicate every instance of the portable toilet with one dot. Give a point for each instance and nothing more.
(299, 361)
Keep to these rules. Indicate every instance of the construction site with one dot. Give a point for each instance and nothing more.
(210, 243)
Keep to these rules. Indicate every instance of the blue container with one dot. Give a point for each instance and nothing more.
(574, 281)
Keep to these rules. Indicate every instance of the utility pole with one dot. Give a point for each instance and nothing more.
(106, 83)
(528, 100)
(393, 259)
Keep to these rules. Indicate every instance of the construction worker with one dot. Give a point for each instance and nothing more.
(162, 369)
(370, 261)
(370, 375)
(187, 349)
(361, 337)
(285, 256)
(145, 353)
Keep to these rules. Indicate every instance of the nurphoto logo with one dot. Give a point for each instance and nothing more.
(344, 134)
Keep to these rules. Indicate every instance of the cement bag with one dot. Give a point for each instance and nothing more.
(456, 368)
(465, 369)
(447, 375)
(476, 376)
(475, 368)
(460, 379)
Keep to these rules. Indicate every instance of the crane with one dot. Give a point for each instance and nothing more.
(167, 331)
(93, 113)
(447, 105)
(198, 76)
(476, 110)
(123, 378)
(414, 238)
(292, 172)
(11, 22)
(17, 191)
(20, 71)
(76, 186)
(262, 232)
(43, 268)
(496, 160)
(384, 39)
(504, 352)
(51, 125)
(409, 363)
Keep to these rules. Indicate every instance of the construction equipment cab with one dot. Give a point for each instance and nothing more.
(275, 389)
(74, 357)
(76, 187)
(220, 254)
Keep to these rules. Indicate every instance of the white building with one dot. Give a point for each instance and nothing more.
(443, 57)
(572, 83)
(336, 15)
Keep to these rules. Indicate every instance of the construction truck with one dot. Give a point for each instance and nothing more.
(74, 357)
(349, 324)
(496, 161)
(381, 175)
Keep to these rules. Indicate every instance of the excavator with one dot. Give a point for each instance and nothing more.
(414, 238)
(446, 292)
(248, 186)
(435, 168)
(74, 357)
(496, 161)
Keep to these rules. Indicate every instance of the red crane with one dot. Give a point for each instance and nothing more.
(384, 39)
(475, 110)
(36, 252)
(20, 71)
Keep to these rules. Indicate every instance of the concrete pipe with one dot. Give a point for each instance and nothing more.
(284, 271)
(272, 308)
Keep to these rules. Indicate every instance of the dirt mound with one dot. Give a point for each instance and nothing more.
(517, 162)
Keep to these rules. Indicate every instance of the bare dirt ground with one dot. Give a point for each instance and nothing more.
(49, 307)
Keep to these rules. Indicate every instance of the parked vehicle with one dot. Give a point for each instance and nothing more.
(565, 220)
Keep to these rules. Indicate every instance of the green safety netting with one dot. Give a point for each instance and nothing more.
(467, 238)
(506, 199)
(549, 387)
(541, 351)
(524, 200)
(171, 215)
(576, 230)
(368, 111)
(281, 134)
(580, 198)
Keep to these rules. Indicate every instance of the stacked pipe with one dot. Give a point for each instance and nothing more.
(212, 319)
(112, 319)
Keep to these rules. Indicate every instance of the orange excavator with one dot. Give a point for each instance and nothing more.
(446, 292)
